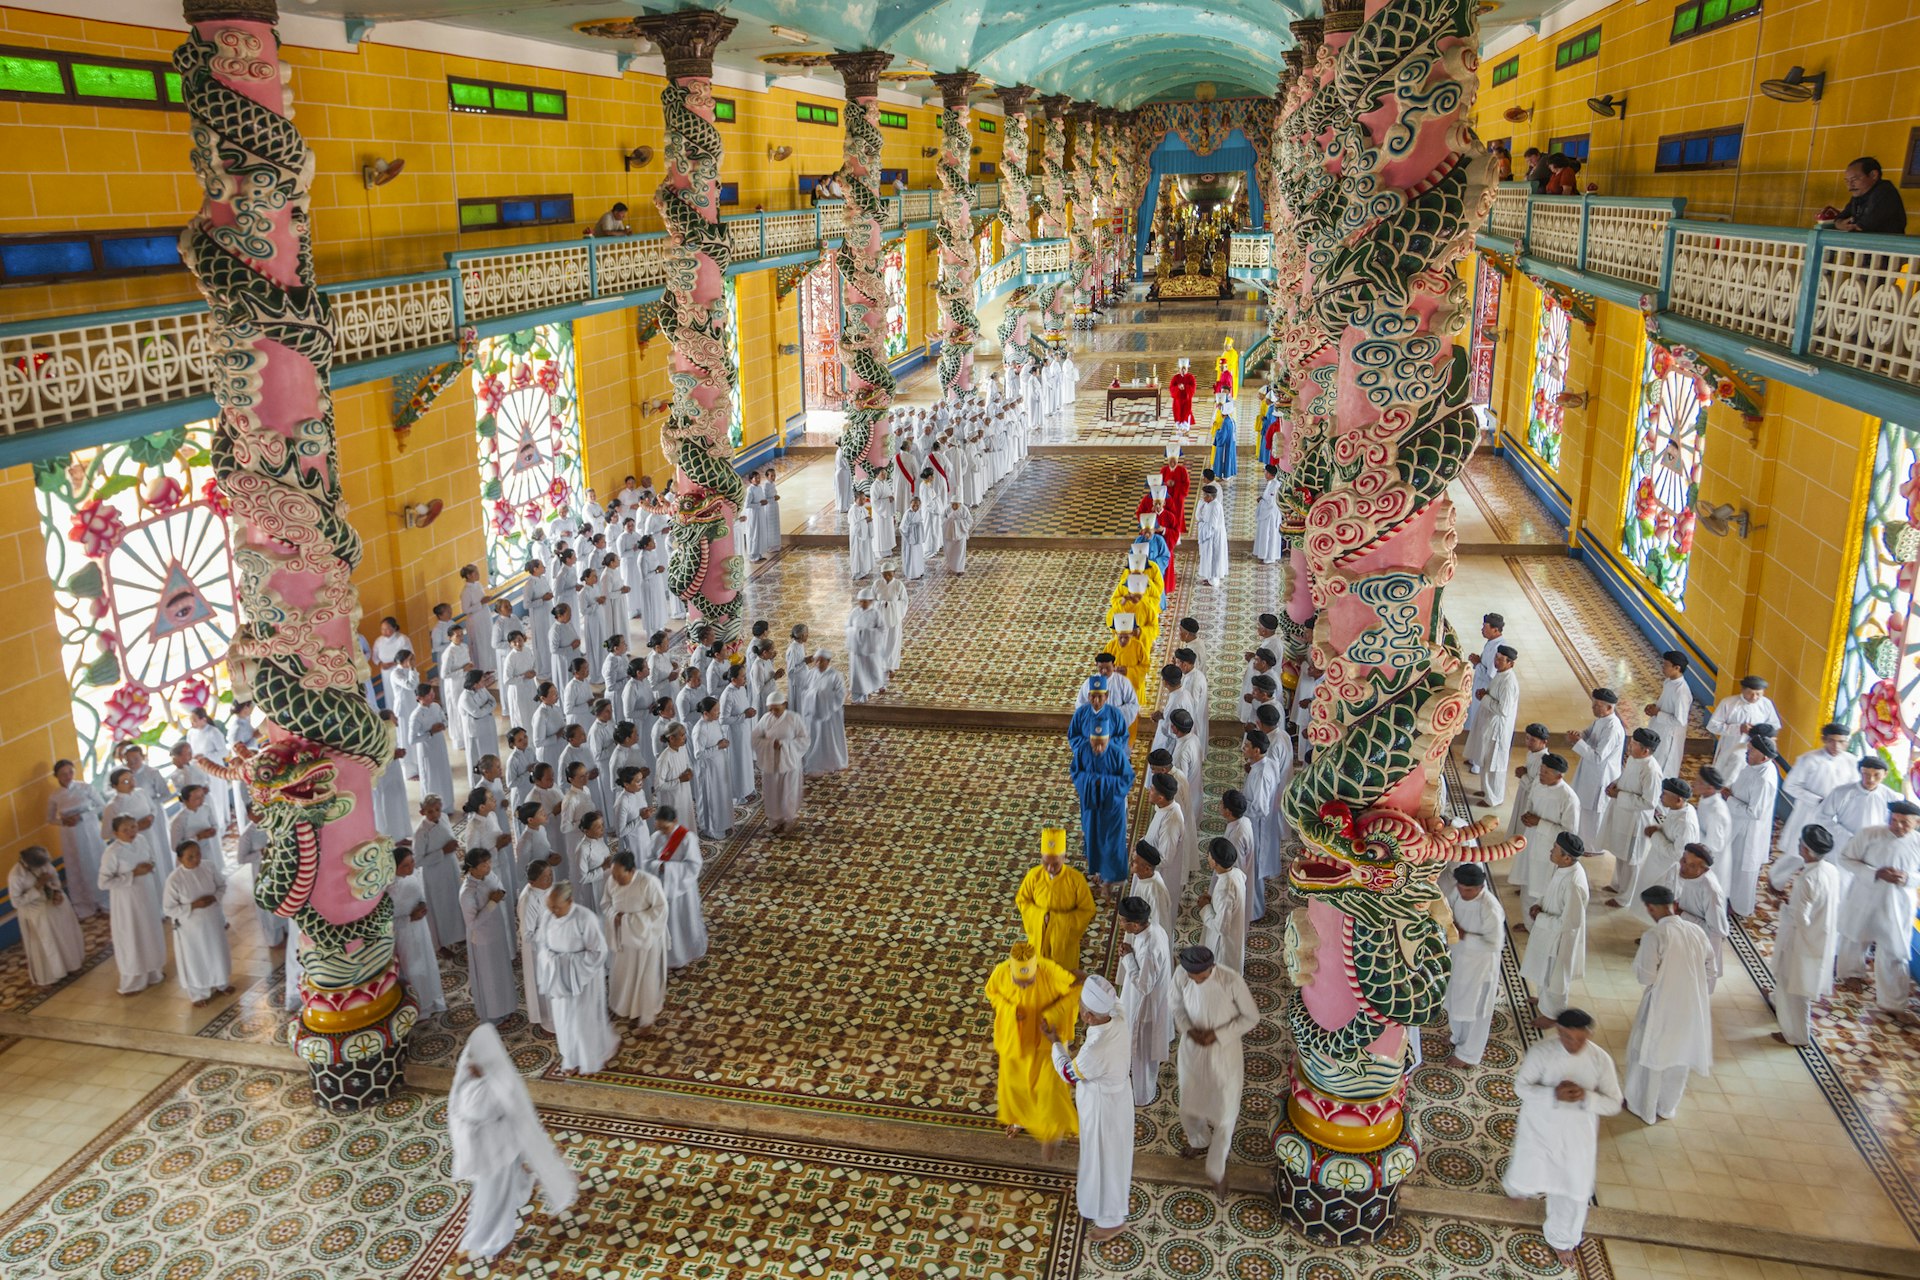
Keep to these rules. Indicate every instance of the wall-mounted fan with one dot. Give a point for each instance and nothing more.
(1724, 519)
(639, 156)
(1610, 107)
(381, 172)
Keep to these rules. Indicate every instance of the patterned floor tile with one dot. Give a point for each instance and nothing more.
(18, 994)
(1509, 506)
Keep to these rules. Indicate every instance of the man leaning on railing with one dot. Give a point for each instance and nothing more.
(1876, 206)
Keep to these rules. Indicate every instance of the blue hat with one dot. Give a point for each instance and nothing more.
(1096, 684)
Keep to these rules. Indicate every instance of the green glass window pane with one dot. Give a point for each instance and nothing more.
(474, 96)
(478, 214)
(548, 104)
(1685, 20)
(90, 80)
(173, 87)
(988, 126)
(509, 99)
(723, 110)
(1743, 7)
(30, 75)
(1713, 11)
(1565, 53)
(1593, 42)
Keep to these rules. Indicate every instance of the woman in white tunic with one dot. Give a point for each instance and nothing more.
(712, 783)
(49, 930)
(826, 717)
(75, 808)
(675, 858)
(533, 918)
(1566, 1084)
(440, 856)
(573, 977)
(860, 540)
(192, 902)
(473, 610)
(499, 1146)
(780, 743)
(413, 936)
(1103, 1096)
(456, 664)
(478, 704)
(126, 800)
(913, 541)
(866, 646)
(129, 873)
(489, 948)
(675, 775)
(736, 722)
(767, 523)
(520, 679)
(427, 742)
(637, 926)
(1266, 519)
(595, 853)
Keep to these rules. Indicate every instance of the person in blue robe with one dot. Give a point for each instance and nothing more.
(1103, 778)
(1269, 411)
(1096, 715)
(1226, 445)
(1155, 544)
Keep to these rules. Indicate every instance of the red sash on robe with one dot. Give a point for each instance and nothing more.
(906, 472)
(934, 462)
(673, 844)
(1181, 387)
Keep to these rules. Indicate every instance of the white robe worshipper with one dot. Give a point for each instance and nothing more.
(1754, 793)
(1223, 920)
(1807, 937)
(1676, 825)
(636, 912)
(890, 599)
(1492, 743)
(1884, 863)
(1146, 985)
(1673, 1029)
(413, 943)
(49, 929)
(1853, 807)
(75, 808)
(1599, 746)
(675, 858)
(1670, 717)
(956, 527)
(1210, 531)
(573, 977)
(1557, 809)
(1636, 794)
(489, 947)
(826, 712)
(1211, 1004)
(499, 1146)
(531, 917)
(1483, 668)
(139, 940)
(1815, 775)
(1100, 1076)
(867, 646)
(1733, 719)
(780, 742)
(1473, 990)
(1557, 952)
(200, 951)
(1555, 1142)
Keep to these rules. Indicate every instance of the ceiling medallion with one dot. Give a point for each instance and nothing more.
(1204, 91)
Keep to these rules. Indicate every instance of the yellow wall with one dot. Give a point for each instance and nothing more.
(37, 728)
(1792, 154)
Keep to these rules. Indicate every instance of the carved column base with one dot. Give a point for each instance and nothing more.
(1338, 1197)
(359, 1066)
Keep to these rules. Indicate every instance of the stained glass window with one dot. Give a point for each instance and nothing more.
(527, 406)
(1545, 417)
(1879, 690)
(893, 268)
(986, 248)
(736, 425)
(1485, 334)
(145, 599)
(1665, 472)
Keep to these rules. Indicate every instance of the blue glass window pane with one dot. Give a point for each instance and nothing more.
(1726, 147)
(512, 211)
(49, 258)
(1669, 153)
(557, 210)
(1695, 150)
(129, 253)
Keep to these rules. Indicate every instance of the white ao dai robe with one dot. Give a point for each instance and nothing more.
(1732, 714)
(1103, 1097)
(1557, 951)
(199, 933)
(867, 647)
(1631, 813)
(413, 945)
(1146, 987)
(1474, 988)
(676, 860)
(1223, 921)
(1210, 530)
(1814, 776)
(80, 842)
(1804, 947)
(489, 949)
(1491, 739)
(780, 749)
(573, 976)
(1754, 792)
(1673, 1028)
(139, 944)
(442, 878)
(1878, 913)
(1558, 809)
(1555, 1143)
(1599, 750)
(1212, 1076)
(826, 722)
(49, 930)
(637, 912)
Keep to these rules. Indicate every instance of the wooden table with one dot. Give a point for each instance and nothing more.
(1133, 393)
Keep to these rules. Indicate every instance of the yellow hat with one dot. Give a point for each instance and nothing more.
(1026, 961)
(1053, 840)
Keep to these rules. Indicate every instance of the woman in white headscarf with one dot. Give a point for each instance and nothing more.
(499, 1146)
(573, 977)
(1101, 1077)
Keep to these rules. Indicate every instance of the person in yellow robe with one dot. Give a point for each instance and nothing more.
(1055, 903)
(1132, 656)
(1025, 991)
(1141, 595)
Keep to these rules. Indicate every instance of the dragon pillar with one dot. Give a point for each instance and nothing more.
(1016, 190)
(1401, 183)
(863, 305)
(1052, 203)
(958, 267)
(1081, 160)
(326, 868)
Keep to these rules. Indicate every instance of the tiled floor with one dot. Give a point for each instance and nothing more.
(844, 982)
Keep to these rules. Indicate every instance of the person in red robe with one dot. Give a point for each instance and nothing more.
(1181, 386)
(1225, 381)
(1173, 474)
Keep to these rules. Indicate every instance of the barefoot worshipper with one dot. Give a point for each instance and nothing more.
(1025, 990)
(1566, 1084)
(499, 1146)
(1213, 1011)
(1673, 1028)
(1099, 1074)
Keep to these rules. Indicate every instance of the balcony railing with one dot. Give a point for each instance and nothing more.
(68, 369)
(1032, 262)
(1251, 250)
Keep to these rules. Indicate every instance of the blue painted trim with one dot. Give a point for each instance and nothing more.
(91, 433)
(1652, 620)
(912, 360)
(796, 426)
(1881, 397)
(1626, 293)
(753, 456)
(353, 375)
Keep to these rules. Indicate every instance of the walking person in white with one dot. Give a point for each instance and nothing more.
(1815, 775)
(1214, 1011)
(1878, 910)
(499, 1146)
(780, 742)
(49, 930)
(1552, 810)
(489, 944)
(826, 712)
(1631, 801)
(1566, 1084)
(192, 903)
(867, 646)
(1474, 987)
(1751, 798)
(1490, 743)
(1223, 907)
(127, 871)
(636, 913)
(1808, 934)
(573, 963)
(1670, 715)
(1599, 746)
(1099, 1075)
(1557, 952)
(1146, 984)
(1675, 825)
(1210, 531)
(1673, 1029)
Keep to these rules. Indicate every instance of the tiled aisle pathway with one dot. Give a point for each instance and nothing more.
(886, 910)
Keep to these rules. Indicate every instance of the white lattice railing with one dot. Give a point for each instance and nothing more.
(1509, 218)
(918, 206)
(1046, 255)
(511, 281)
(384, 318)
(790, 233)
(743, 238)
(1555, 233)
(1746, 279)
(986, 195)
(1867, 313)
(1251, 251)
(833, 221)
(74, 369)
(629, 264)
(996, 276)
(1627, 239)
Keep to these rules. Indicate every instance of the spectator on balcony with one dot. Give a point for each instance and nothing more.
(1565, 175)
(612, 223)
(1876, 206)
(1537, 170)
(1502, 163)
